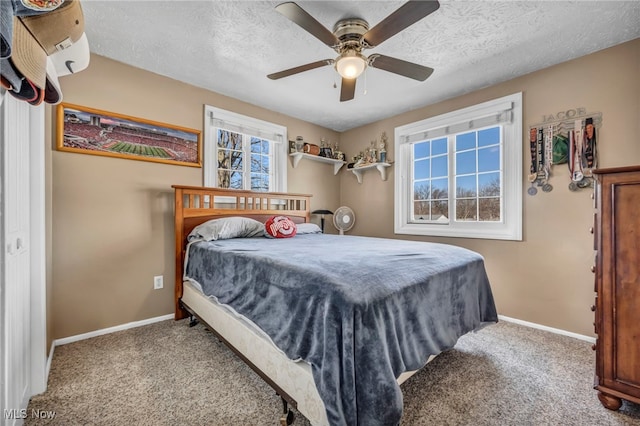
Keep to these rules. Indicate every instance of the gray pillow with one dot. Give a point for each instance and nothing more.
(308, 228)
(227, 227)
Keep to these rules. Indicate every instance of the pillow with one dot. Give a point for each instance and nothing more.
(308, 228)
(227, 227)
(279, 227)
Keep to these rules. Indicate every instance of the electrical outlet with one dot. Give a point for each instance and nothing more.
(157, 282)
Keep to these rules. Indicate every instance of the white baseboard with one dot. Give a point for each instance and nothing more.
(49, 360)
(549, 329)
(76, 338)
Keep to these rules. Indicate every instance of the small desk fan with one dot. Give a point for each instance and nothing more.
(344, 219)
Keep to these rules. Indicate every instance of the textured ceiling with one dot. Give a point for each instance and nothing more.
(229, 47)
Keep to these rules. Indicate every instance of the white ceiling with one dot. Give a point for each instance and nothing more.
(229, 47)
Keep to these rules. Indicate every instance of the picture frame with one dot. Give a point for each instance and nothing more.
(92, 131)
(326, 152)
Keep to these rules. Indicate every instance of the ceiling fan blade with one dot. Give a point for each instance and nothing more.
(308, 22)
(348, 89)
(301, 68)
(408, 14)
(398, 66)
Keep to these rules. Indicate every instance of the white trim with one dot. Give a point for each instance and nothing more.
(275, 133)
(50, 359)
(3, 328)
(549, 329)
(37, 253)
(89, 335)
(507, 111)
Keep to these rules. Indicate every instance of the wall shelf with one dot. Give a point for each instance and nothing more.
(297, 156)
(382, 168)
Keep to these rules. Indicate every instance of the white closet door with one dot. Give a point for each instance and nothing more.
(15, 312)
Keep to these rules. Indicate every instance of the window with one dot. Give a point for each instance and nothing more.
(241, 152)
(459, 174)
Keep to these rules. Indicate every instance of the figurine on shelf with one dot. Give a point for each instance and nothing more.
(352, 163)
(383, 147)
(337, 154)
(373, 153)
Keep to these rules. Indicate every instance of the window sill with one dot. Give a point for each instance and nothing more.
(489, 232)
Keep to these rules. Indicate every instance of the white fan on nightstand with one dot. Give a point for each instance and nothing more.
(344, 219)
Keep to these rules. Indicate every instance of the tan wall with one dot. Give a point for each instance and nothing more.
(111, 220)
(544, 279)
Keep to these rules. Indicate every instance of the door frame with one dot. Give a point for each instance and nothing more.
(38, 276)
(37, 352)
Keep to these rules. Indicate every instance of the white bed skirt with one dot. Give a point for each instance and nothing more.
(293, 377)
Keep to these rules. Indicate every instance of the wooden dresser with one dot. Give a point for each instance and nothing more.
(617, 285)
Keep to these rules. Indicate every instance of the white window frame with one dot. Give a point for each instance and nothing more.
(505, 111)
(217, 118)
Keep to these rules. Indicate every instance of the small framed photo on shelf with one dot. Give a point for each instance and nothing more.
(326, 152)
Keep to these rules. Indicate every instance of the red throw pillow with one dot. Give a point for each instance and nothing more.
(280, 227)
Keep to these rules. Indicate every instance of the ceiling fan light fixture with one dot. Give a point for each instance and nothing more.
(350, 64)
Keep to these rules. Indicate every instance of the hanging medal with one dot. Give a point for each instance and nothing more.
(532, 189)
(571, 160)
(548, 159)
(578, 134)
(540, 154)
(533, 171)
(589, 149)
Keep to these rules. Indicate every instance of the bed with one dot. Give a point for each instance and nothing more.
(333, 323)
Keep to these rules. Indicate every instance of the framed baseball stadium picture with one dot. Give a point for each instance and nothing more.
(90, 131)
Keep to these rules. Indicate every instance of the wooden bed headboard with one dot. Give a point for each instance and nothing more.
(195, 205)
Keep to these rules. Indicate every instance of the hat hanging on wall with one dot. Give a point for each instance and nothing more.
(39, 42)
(18, 86)
(30, 61)
(34, 7)
(60, 27)
(73, 58)
(27, 55)
(11, 8)
(11, 78)
(61, 34)
(6, 28)
(52, 91)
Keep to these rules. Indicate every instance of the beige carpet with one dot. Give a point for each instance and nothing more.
(169, 374)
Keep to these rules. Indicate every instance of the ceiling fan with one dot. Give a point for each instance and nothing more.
(351, 36)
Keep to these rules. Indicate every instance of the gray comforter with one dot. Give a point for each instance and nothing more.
(360, 310)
